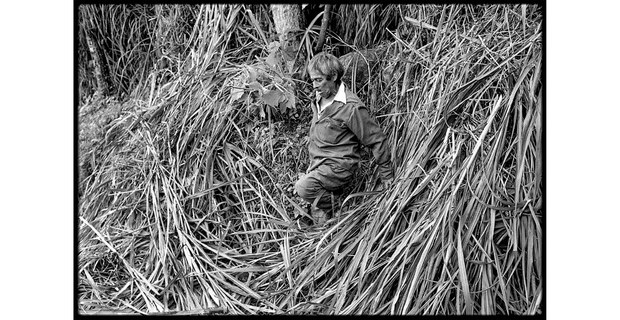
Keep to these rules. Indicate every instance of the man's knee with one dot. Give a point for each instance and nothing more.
(304, 188)
(301, 188)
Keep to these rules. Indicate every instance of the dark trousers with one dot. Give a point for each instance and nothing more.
(321, 183)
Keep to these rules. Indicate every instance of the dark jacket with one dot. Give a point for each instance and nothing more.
(335, 137)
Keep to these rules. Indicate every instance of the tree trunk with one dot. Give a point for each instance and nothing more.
(287, 19)
(100, 76)
(159, 37)
(324, 23)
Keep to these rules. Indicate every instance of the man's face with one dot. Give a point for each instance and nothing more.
(322, 86)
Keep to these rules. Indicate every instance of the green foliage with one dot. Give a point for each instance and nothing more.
(264, 88)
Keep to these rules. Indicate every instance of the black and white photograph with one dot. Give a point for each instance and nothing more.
(310, 159)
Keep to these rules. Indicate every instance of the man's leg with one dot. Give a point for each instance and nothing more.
(320, 183)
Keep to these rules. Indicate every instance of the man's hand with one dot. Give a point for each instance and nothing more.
(386, 183)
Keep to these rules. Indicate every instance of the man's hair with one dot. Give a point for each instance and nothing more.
(327, 65)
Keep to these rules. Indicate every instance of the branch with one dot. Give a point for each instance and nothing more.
(326, 14)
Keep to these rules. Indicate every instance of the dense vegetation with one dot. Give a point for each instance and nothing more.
(187, 163)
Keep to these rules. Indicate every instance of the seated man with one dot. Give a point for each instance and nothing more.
(340, 122)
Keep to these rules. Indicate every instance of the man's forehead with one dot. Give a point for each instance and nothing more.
(315, 75)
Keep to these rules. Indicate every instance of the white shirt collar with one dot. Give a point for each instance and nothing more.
(341, 96)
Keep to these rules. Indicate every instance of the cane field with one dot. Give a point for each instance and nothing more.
(193, 128)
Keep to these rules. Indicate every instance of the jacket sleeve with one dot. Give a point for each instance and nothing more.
(370, 134)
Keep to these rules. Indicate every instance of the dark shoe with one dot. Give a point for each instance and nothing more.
(319, 215)
(304, 221)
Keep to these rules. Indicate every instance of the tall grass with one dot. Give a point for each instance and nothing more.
(189, 209)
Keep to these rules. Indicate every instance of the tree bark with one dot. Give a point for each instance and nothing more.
(160, 42)
(287, 19)
(324, 22)
(100, 77)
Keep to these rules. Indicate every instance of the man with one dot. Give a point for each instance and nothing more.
(340, 123)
